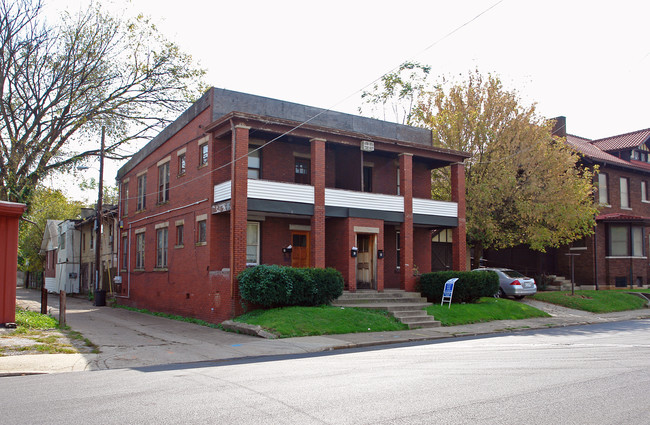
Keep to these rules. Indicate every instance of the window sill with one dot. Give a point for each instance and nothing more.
(200, 243)
(202, 166)
(178, 176)
(179, 246)
(160, 269)
(578, 248)
(624, 257)
(138, 270)
(162, 203)
(140, 211)
(626, 209)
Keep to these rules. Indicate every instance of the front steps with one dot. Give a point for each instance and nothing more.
(561, 283)
(407, 307)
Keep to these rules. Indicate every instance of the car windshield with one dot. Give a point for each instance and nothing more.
(512, 273)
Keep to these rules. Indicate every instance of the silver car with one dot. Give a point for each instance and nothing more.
(512, 283)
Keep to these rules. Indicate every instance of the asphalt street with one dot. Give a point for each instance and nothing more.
(594, 374)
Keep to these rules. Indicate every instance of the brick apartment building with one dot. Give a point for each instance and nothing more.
(616, 255)
(239, 180)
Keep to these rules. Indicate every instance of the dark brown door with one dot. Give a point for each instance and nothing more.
(300, 252)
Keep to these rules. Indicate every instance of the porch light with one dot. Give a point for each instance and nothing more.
(287, 250)
(353, 251)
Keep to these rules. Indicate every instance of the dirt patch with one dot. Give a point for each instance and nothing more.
(50, 341)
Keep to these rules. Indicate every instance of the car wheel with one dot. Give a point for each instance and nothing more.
(500, 294)
(519, 297)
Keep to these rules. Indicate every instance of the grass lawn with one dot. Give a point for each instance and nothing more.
(37, 333)
(485, 310)
(594, 301)
(303, 321)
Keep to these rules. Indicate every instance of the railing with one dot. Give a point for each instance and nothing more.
(302, 193)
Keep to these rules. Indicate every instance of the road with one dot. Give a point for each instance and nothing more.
(596, 374)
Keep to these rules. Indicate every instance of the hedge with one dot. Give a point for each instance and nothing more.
(469, 287)
(278, 286)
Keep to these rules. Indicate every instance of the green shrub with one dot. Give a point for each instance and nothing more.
(469, 287)
(278, 286)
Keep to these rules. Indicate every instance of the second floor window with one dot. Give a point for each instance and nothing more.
(142, 192)
(603, 197)
(644, 191)
(125, 199)
(302, 174)
(203, 154)
(163, 183)
(181, 164)
(254, 163)
(625, 194)
(367, 179)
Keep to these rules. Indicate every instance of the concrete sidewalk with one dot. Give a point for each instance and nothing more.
(129, 339)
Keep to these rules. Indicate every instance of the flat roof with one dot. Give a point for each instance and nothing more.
(226, 101)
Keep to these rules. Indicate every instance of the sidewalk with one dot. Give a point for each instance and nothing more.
(129, 339)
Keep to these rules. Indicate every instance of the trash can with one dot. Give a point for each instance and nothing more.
(100, 298)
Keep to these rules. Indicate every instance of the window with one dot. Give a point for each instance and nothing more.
(644, 191)
(125, 199)
(201, 231)
(398, 183)
(367, 179)
(142, 192)
(302, 173)
(139, 250)
(181, 164)
(603, 196)
(180, 235)
(252, 243)
(83, 242)
(254, 163)
(625, 195)
(203, 154)
(62, 241)
(92, 239)
(125, 252)
(625, 241)
(398, 249)
(161, 247)
(163, 183)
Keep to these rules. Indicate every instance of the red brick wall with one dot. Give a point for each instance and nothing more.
(421, 180)
(391, 271)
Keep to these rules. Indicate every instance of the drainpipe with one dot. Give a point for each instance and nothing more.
(596, 256)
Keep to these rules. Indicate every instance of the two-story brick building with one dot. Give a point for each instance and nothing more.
(239, 180)
(616, 255)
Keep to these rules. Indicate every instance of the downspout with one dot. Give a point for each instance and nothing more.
(596, 255)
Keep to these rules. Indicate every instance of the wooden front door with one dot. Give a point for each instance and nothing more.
(300, 252)
(365, 261)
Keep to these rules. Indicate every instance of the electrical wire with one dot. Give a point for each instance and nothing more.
(323, 111)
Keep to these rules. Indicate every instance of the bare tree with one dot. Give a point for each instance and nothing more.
(59, 84)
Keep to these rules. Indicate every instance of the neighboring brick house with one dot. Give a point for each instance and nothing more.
(239, 180)
(616, 255)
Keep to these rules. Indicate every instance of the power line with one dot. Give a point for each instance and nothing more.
(395, 68)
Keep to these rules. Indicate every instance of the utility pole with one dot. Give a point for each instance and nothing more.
(99, 299)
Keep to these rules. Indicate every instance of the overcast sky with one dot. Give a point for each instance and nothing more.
(587, 60)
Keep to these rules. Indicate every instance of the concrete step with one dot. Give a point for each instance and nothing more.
(386, 306)
(376, 300)
(407, 307)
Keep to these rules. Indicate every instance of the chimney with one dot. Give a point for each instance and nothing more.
(559, 128)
